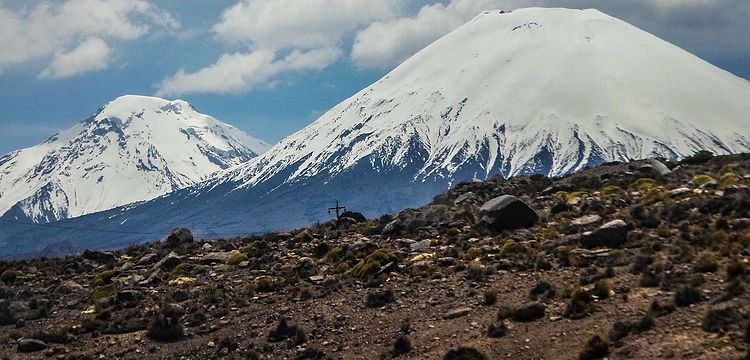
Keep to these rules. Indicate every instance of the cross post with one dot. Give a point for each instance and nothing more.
(337, 209)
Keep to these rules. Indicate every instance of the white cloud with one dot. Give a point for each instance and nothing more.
(56, 28)
(238, 72)
(310, 32)
(299, 24)
(92, 54)
(389, 42)
(710, 27)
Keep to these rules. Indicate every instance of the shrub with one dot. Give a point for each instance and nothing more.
(464, 353)
(702, 179)
(643, 184)
(179, 270)
(372, 264)
(512, 247)
(595, 348)
(264, 284)
(9, 276)
(580, 304)
(377, 299)
(706, 262)
(496, 330)
(105, 277)
(250, 247)
(401, 346)
(283, 331)
(489, 296)
(237, 258)
(686, 295)
(649, 279)
(100, 292)
(720, 320)
(602, 289)
(700, 157)
(165, 326)
(647, 321)
(735, 269)
(542, 289)
(333, 255)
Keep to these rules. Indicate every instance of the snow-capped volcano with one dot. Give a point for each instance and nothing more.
(535, 90)
(531, 91)
(134, 148)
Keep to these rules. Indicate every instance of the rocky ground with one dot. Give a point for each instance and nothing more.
(625, 261)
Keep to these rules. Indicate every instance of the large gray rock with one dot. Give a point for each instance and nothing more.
(654, 167)
(507, 212)
(179, 236)
(612, 234)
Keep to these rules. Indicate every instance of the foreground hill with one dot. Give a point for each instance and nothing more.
(627, 261)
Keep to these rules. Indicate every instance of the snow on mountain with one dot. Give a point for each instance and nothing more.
(135, 148)
(532, 91)
(535, 90)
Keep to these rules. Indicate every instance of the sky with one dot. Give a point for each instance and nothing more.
(269, 67)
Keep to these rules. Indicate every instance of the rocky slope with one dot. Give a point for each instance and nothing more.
(135, 148)
(627, 260)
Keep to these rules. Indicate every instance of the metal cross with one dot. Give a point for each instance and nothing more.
(337, 209)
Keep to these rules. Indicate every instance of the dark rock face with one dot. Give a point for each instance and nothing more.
(179, 236)
(31, 345)
(529, 312)
(98, 256)
(612, 234)
(507, 212)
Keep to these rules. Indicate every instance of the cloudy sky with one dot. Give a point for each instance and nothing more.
(269, 67)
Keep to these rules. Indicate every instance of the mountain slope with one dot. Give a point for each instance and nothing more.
(536, 90)
(533, 91)
(133, 149)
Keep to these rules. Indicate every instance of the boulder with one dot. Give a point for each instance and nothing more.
(305, 267)
(529, 312)
(179, 236)
(654, 167)
(345, 222)
(507, 212)
(393, 228)
(168, 262)
(31, 345)
(357, 217)
(421, 245)
(612, 234)
(584, 221)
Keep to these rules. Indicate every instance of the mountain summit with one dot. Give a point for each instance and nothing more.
(547, 91)
(535, 90)
(134, 148)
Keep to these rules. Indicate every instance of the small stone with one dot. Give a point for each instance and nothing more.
(211, 344)
(457, 313)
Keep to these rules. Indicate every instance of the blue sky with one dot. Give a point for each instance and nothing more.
(269, 67)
